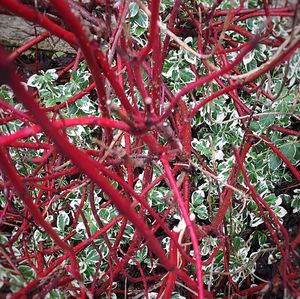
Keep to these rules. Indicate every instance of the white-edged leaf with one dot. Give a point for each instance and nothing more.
(201, 211)
(92, 257)
(279, 211)
(133, 9)
(82, 267)
(33, 81)
(255, 220)
(248, 57)
(142, 19)
(62, 220)
(142, 254)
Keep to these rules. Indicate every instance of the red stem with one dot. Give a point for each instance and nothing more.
(152, 31)
(250, 46)
(28, 45)
(189, 224)
(80, 159)
(284, 130)
(227, 193)
(7, 167)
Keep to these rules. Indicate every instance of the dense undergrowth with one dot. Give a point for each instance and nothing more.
(160, 161)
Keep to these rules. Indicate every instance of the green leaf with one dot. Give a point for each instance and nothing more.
(142, 254)
(51, 75)
(267, 120)
(139, 31)
(190, 58)
(201, 211)
(197, 197)
(93, 227)
(248, 57)
(15, 283)
(297, 156)
(129, 231)
(262, 238)
(92, 257)
(277, 87)
(78, 237)
(254, 126)
(255, 220)
(202, 146)
(104, 249)
(85, 105)
(279, 211)
(34, 81)
(271, 199)
(176, 296)
(55, 294)
(142, 19)
(27, 271)
(251, 65)
(237, 242)
(259, 55)
(296, 202)
(82, 266)
(6, 93)
(186, 75)
(104, 214)
(289, 150)
(275, 161)
(62, 220)
(249, 23)
(197, 205)
(219, 256)
(133, 9)
(285, 104)
(39, 236)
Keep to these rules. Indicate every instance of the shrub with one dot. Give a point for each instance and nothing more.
(163, 162)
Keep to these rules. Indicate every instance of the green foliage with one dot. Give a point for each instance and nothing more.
(198, 205)
(52, 94)
(216, 127)
(138, 22)
(176, 69)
